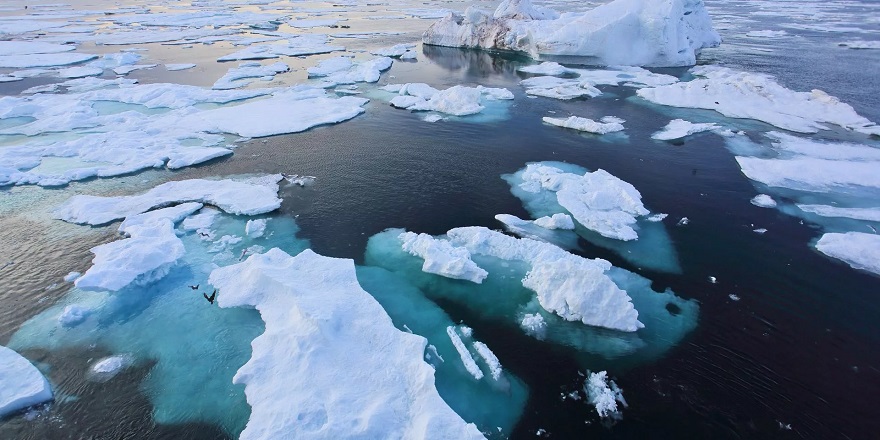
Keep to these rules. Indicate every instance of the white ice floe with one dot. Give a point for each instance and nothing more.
(859, 250)
(248, 197)
(679, 128)
(44, 60)
(174, 214)
(622, 32)
(8, 48)
(442, 258)
(295, 46)
(534, 324)
(21, 384)
(255, 228)
(343, 70)
(397, 51)
(556, 221)
(73, 315)
(125, 70)
(598, 201)
(179, 66)
(456, 100)
(147, 255)
(245, 73)
(300, 108)
(466, 357)
(604, 394)
(491, 360)
(605, 125)
(313, 23)
(584, 81)
(108, 367)
(867, 214)
(766, 34)
(348, 371)
(547, 68)
(763, 201)
(738, 94)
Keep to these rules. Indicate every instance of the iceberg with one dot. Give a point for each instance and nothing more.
(21, 384)
(357, 374)
(738, 94)
(623, 32)
(858, 249)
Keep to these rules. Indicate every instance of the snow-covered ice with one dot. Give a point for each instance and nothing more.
(173, 67)
(21, 384)
(534, 324)
(255, 228)
(858, 249)
(357, 374)
(307, 44)
(763, 201)
(108, 367)
(588, 125)
(622, 32)
(679, 128)
(490, 359)
(457, 100)
(245, 73)
(442, 258)
(604, 394)
(467, 359)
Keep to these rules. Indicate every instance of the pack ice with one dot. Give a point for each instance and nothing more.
(21, 384)
(622, 32)
(330, 363)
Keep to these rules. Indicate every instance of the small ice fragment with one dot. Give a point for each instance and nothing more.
(763, 201)
(684, 221)
(534, 325)
(733, 297)
(760, 230)
(713, 280)
(466, 331)
(255, 228)
(105, 369)
(73, 315)
(71, 277)
(657, 217)
(491, 360)
(604, 394)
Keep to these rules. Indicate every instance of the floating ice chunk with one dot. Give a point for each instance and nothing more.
(558, 88)
(809, 174)
(456, 100)
(72, 276)
(679, 128)
(859, 250)
(236, 76)
(21, 384)
(308, 24)
(250, 197)
(656, 217)
(43, 60)
(174, 214)
(766, 34)
(598, 200)
(179, 66)
(442, 258)
(868, 214)
(108, 367)
(396, 51)
(73, 315)
(584, 124)
(684, 221)
(622, 32)
(255, 228)
(341, 344)
(202, 220)
(547, 68)
(759, 230)
(763, 201)
(534, 325)
(80, 72)
(296, 46)
(861, 44)
(125, 70)
(432, 118)
(556, 221)
(792, 145)
(604, 394)
(733, 297)
(491, 360)
(466, 358)
(301, 109)
(330, 66)
(146, 256)
(758, 96)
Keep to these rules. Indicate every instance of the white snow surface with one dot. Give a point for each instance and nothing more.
(442, 258)
(603, 394)
(622, 32)
(466, 358)
(763, 201)
(44, 60)
(575, 288)
(679, 128)
(245, 197)
(243, 74)
(858, 249)
(457, 100)
(21, 384)
(584, 124)
(491, 360)
(147, 255)
(738, 94)
(347, 372)
(598, 200)
(343, 70)
(295, 46)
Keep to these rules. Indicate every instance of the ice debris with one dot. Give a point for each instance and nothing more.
(442, 258)
(604, 394)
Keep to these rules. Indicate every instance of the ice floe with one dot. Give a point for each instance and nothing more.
(466, 358)
(73, 315)
(360, 375)
(173, 67)
(21, 384)
(343, 70)
(457, 100)
(44, 60)
(245, 73)
(858, 249)
(738, 94)
(255, 228)
(861, 44)
(108, 367)
(604, 394)
(295, 46)
(679, 128)
(579, 83)
(763, 201)
(605, 125)
(442, 258)
(622, 32)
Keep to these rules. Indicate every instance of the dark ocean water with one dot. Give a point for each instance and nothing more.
(798, 348)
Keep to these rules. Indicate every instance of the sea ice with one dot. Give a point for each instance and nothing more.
(466, 358)
(867, 214)
(179, 66)
(587, 125)
(534, 324)
(72, 276)
(108, 367)
(255, 228)
(604, 394)
(21, 384)
(456, 100)
(738, 94)
(247, 197)
(622, 32)
(296, 46)
(858, 249)
(396, 51)
(358, 375)
(32, 47)
(442, 258)
(763, 201)
(679, 128)
(342, 70)
(489, 357)
(44, 60)
(556, 221)
(243, 74)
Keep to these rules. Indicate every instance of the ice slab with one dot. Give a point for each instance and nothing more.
(738, 94)
(868, 214)
(584, 124)
(247, 197)
(622, 32)
(343, 70)
(442, 258)
(32, 47)
(679, 128)
(21, 384)
(244, 74)
(295, 46)
(179, 66)
(456, 100)
(358, 374)
(44, 60)
(858, 249)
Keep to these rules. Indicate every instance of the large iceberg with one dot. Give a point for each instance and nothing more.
(330, 363)
(21, 384)
(622, 32)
